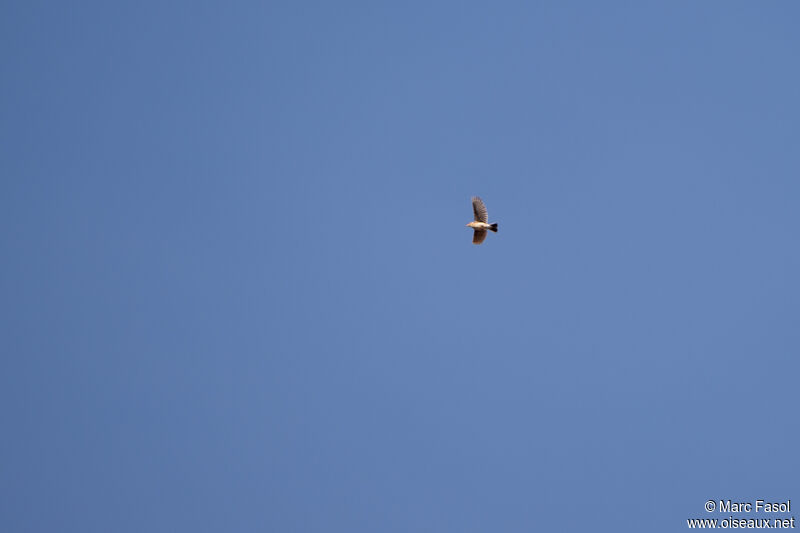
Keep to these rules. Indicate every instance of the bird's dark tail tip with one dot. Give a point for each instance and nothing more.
(493, 227)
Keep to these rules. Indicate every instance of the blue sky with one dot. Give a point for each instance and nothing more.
(238, 293)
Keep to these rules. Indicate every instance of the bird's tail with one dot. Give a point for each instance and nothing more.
(493, 227)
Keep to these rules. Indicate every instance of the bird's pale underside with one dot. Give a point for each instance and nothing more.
(481, 223)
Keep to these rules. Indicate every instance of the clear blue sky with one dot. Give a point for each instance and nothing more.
(238, 293)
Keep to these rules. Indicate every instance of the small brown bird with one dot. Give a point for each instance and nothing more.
(481, 223)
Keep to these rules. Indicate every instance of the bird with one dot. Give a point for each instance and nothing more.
(481, 222)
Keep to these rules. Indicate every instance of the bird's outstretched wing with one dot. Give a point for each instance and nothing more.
(478, 236)
(481, 215)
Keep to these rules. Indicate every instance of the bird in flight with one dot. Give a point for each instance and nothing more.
(481, 223)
